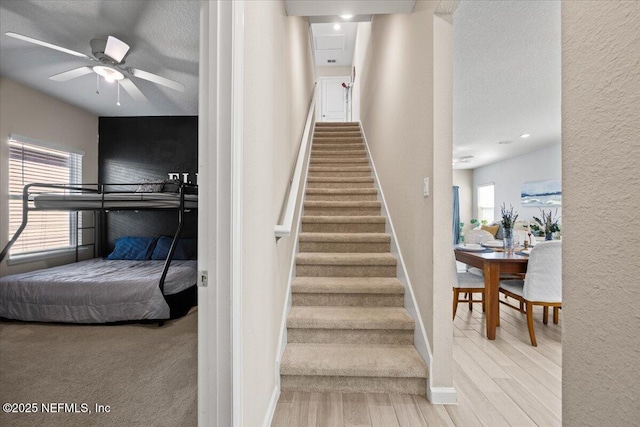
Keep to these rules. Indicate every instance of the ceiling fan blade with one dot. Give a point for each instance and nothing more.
(45, 44)
(71, 74)
(116, 49)
(157, 79)
(133, 90)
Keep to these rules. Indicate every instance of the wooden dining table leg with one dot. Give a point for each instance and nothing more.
(491, 284)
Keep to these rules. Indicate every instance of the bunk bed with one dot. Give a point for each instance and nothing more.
(158, 285)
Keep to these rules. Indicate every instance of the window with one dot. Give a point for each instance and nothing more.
(485, 203)
(37, 162)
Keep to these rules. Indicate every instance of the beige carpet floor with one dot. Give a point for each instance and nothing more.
(145, 373)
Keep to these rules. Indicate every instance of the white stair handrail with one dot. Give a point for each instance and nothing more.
(284, 229)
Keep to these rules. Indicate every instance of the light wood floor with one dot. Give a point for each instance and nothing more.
(505, 382)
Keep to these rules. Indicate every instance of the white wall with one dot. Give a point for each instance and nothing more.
(278, 82)
(397, 112)
(360, 49)
(29, 113)
(509, 175)
(333, 71)
(601, 158)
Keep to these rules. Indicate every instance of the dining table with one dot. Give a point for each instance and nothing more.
(493, 263)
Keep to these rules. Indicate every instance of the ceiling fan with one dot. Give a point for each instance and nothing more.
(110, 56)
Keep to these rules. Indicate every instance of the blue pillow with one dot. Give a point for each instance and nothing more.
(133, 248)
(186, 249)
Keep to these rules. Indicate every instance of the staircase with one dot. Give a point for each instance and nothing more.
(347, 329)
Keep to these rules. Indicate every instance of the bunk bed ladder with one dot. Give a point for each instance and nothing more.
(174, 243)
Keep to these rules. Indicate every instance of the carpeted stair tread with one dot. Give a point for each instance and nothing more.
(340, 179)
(309, 317)
(343, 204)
(340, 133)
(338, 153)
(330, 137)
(345, 237)
(350, 259)
(337, 140)
(347, 285)
(330, 219)
(352, 146)
(356, 161)
(353, 360)
(341, 191)
(337, 124)
(339, 169)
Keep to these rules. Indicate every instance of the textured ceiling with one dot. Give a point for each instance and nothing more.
(334, 44)
(163, 35)
(507, 79)
(344, 7)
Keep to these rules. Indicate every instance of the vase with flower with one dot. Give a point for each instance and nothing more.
(509, 217)
(548, 223)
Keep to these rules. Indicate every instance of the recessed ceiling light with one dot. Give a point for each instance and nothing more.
(525, 135)
(346, 17)
(463, 159)
(505, 142)
(336, 27)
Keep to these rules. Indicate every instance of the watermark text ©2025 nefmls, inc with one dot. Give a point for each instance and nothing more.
(55, 408)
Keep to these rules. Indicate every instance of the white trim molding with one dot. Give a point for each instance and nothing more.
(271, 409)
(442, 395)
(237, 93)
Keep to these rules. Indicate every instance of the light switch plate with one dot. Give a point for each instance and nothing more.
(425, 187)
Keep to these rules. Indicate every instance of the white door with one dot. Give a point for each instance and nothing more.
(334, 99)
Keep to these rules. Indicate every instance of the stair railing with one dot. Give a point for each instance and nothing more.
(284, 228)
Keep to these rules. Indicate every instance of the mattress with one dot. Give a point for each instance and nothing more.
(80, 201)
(94, 291)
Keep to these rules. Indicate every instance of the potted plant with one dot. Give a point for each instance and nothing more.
(548, 223)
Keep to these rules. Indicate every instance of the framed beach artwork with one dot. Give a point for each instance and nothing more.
(542, 194)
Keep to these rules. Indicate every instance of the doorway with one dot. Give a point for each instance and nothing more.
(335, 102)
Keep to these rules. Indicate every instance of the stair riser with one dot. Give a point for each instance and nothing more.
(312, 383)
(327, 127)
(343, 228)
(344, 247)
(310, 270)
(348, 300)
(312, 184)
(341, 211)
(339, 174)
(350, 336)
(339, 163)
(342, 197)
(320, 148)
(338, 154)
(338, 134)
(337, 140)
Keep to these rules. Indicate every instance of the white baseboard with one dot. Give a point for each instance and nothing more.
(271, 409)
(442, 395)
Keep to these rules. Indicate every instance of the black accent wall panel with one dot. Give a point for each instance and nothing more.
(134, 149)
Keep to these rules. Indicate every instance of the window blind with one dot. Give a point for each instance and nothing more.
(29, 163)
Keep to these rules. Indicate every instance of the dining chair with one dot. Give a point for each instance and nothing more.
(467, 284)
(478, 236)
(542, 284)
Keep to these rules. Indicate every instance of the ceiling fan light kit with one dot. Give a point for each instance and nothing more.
(109, 74)
(110, 54)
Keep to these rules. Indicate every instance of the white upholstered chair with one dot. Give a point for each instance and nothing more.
(542, 284)
(478, 236)
(467, 283)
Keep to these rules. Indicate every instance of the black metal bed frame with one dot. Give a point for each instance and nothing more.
(28, 196)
